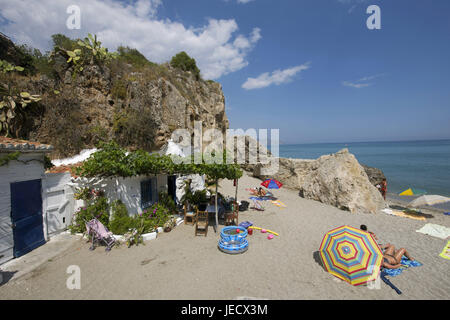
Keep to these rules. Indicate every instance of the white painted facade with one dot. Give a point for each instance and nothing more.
(127, 190)
(16, 171)
(59, 202)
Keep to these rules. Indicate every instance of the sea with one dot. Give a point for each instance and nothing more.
(406, 164)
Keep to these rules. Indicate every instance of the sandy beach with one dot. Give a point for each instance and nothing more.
(178, 265)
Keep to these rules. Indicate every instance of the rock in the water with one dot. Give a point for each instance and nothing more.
(337, 179)
(375, 175)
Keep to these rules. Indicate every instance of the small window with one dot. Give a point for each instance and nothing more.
(148, 193)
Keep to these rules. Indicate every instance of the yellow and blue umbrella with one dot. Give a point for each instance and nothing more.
(351, 255)
(412, 192)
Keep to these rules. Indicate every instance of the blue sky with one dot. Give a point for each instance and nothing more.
(309, 68)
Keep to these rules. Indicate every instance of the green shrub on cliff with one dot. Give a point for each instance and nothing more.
(184, 62)
(133, 57)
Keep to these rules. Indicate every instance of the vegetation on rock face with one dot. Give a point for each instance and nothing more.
(133, 57)
(11, 98)
(89, 94)
(82, 52)
(184, 62)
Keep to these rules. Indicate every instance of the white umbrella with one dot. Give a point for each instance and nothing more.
(428, 200)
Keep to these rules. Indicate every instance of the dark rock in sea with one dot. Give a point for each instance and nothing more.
(375, 175)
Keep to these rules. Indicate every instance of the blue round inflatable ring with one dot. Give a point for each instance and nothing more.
(233, 242)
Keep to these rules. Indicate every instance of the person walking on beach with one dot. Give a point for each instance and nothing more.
(383, 188)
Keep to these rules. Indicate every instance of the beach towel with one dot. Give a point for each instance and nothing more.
(391, 272)
(246, 224)
(261, 198)
(446, 252)
(257, 205)
(410, 215)
(279, 204)
(405, 262)
(435, 230)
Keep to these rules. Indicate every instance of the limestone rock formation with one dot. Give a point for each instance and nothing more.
(337, 179)
(138, 109)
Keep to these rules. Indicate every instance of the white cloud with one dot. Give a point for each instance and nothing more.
(353, 4)
(217, 46)
(241, 1)
(361, 83)
(277, 77)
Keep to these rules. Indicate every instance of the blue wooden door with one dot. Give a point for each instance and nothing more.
(26, 216)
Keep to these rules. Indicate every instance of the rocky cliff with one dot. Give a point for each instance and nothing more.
(337, 179)
(137, 106)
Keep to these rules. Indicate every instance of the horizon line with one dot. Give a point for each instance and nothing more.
(377, 141)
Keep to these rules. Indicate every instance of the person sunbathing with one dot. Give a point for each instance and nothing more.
(261, 192)
(392, 258)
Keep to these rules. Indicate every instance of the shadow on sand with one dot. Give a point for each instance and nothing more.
(5, 276)
(318, 259)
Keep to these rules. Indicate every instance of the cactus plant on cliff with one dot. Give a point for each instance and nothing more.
(11, 98)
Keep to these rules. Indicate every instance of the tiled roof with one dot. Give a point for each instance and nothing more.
(9, 144)
(65, 168)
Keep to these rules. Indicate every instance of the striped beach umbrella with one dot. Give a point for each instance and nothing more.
(351, 255)
(272, 184)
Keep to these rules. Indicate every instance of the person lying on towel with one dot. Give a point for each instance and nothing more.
(261, 192)
(392, 258)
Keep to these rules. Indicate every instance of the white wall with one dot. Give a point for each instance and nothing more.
(127, 190)
(59, 202)
(15, 171)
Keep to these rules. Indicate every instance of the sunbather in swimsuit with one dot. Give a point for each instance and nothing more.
(392, 258)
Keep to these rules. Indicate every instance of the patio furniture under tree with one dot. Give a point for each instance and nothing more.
(201, 223)
(189, 215)
(224, 170)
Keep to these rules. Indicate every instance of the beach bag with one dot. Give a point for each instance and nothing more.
(244, 206)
